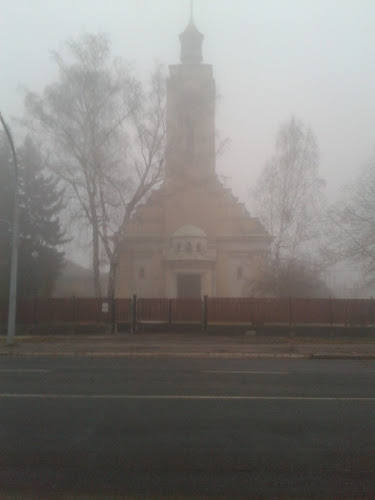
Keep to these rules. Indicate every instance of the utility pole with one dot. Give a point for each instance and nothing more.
(11, 332)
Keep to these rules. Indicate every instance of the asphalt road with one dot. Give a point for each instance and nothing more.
(176, 428)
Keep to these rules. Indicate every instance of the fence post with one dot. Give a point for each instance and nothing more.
(252, 310)
(372, 311)
(369, 320)
(113, 316)
(346, 313)
(134, 314)
(35, 310)
(170, 313)
(290, 312)
(204, 322)
(99, 309)
(330, 311)
(74, 309)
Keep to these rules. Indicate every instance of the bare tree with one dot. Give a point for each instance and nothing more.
(350, 225)
(148, 149)
(102, 136)
(287, 196)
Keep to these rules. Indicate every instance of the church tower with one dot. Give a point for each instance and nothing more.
(191, 111)
(191, 237)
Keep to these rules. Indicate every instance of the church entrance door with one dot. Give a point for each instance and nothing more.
(189, 286)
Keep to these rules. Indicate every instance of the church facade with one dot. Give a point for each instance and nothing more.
(191, 237)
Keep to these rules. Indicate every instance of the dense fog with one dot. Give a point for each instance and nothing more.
(309, 66)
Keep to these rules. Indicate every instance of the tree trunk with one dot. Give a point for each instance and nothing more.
(96, 263)
(113, 258)
(112, 284)
(276, 272)
(112, 277)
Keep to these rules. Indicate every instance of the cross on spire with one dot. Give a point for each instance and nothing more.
(192, 11)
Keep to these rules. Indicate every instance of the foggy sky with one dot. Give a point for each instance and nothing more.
(314, 59)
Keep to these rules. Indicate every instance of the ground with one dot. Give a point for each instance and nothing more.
(186, 427)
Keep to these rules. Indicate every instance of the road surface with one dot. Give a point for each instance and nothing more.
(186, 428)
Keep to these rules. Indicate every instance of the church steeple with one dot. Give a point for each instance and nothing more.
(191, 42)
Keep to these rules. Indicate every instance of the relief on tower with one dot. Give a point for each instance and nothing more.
(191, 115)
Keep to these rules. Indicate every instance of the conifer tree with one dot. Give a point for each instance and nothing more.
(40, 232)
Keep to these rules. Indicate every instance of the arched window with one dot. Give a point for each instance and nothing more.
(189, 247)
(199, 248)
(141, 273)
(178, 248)
(239, 272)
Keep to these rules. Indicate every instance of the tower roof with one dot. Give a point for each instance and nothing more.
(191, 43)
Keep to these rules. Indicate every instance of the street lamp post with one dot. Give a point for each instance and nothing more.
(14, 258)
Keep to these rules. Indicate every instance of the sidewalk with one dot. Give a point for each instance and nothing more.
(189, 345)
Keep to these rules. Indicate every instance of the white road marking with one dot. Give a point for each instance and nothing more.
(250, 372)
(181, 397)
(23, 370)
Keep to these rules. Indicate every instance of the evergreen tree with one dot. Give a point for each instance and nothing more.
(7, 180)
(40, 233)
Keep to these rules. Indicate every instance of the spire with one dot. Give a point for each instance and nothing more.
(191, 42)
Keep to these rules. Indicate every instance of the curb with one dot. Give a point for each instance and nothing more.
(155, 355)
(343, 356)
(211, 355)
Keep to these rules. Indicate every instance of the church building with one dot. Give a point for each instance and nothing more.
(191, 237)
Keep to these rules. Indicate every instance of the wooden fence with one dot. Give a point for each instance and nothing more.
(292, 311)
(208, 311)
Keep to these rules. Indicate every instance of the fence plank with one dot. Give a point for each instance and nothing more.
(230, 310)
(312, 311)
(124, 310)
(358, 312)
(3, 312)
(186, 311)
(152, 310)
